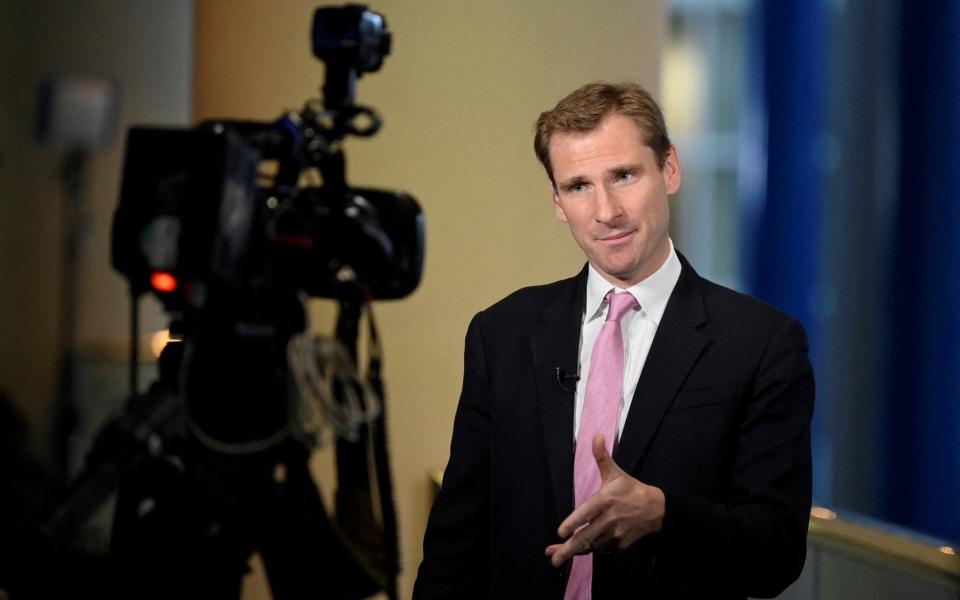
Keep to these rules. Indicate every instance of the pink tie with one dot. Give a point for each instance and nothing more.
(600, 408)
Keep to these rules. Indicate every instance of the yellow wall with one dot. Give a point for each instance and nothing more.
(459, 94)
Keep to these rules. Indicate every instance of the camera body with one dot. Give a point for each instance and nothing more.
(193, 211)
(224, 204)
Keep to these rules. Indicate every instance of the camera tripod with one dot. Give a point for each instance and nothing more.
(188, 517)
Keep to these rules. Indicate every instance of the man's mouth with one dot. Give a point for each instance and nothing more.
(615, 237)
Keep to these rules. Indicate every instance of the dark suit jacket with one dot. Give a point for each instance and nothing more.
(720, 422)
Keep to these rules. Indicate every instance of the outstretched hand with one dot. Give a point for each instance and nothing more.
(621, 512)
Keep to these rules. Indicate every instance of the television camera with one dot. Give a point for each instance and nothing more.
(232, 225)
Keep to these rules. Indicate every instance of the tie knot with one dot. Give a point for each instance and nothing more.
(619, 305)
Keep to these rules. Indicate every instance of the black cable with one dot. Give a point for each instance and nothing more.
(381, 462)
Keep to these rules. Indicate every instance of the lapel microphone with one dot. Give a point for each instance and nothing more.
(562, 376)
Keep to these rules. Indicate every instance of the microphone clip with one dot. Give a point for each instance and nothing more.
(562, 376)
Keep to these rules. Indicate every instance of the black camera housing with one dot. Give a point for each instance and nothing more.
(190, 206)
(198, 208)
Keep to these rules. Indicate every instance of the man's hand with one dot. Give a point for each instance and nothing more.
(621, 512)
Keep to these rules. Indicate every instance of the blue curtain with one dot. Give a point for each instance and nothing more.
(782, 253)
(922, 450)
(903, 428)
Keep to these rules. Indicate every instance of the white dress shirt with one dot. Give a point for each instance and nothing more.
(638, 327)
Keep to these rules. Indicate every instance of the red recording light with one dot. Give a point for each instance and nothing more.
(163, 282)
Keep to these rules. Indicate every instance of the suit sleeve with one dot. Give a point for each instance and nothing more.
(754, 543)
(456, 545)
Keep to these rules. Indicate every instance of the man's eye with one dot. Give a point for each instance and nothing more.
(624, 176)
(577, 188)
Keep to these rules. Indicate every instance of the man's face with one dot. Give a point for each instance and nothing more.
(613, 195)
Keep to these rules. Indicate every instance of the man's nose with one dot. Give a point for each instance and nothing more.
(607, 206)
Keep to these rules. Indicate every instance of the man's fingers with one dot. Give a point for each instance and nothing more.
(587, 511)
(582, 529)
(609, 470)
(580, 543)
(581, 516)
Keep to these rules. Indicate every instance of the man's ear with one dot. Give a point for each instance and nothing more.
(672, 174)
(556, 201)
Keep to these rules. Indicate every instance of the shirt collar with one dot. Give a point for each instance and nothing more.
(652, 293)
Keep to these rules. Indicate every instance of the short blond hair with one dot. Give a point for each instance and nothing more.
(585, 108)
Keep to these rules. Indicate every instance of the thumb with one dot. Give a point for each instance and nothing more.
(608, 469)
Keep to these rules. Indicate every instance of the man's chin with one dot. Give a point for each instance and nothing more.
(621, 277)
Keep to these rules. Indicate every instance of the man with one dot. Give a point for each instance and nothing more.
(636, 430)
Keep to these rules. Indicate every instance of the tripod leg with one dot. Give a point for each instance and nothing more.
(170, 539)
(302, 550)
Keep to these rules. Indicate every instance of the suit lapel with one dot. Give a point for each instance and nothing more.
(555, 342)
(676, 347)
